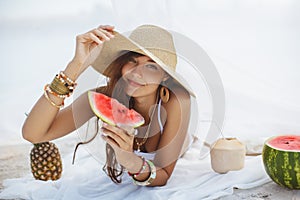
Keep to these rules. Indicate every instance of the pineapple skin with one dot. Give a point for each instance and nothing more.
(45, 161)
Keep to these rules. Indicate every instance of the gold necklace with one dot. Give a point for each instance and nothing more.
(139, 144)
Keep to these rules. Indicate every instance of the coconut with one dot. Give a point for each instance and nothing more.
(227, 154)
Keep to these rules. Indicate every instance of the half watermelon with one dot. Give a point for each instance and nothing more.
(281, 158)
(113, 112)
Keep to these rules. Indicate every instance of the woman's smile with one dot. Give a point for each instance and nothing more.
(135, 83)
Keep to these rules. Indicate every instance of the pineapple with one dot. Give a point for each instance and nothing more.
(45, 161)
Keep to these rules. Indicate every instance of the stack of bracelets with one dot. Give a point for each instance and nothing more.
(143, 168)
(61, 86)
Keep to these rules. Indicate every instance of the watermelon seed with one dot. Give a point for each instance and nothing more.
(121, 111)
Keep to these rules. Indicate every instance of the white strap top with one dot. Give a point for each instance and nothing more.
(150, 156)
(147, 156)
(159, 116)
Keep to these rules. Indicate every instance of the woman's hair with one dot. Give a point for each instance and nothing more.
(115, 89)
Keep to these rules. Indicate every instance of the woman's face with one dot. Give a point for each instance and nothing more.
(142, 76)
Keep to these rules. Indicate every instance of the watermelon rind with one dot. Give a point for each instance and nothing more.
(105, 119)
(96, 111)
(282, 166)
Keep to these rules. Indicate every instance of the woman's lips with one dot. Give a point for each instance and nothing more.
(135, 84)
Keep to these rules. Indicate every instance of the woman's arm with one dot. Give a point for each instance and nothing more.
(173, 136)
(45, 122)
(64, 121)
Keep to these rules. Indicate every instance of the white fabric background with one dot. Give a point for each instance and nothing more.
(254, 45)
(192, 179)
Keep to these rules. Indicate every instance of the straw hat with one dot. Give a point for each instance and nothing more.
(150, 40)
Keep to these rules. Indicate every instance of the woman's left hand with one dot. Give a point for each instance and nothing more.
(120, 140)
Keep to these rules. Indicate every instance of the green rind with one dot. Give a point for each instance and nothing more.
(283, 167)
(96, 111)
(102, 117)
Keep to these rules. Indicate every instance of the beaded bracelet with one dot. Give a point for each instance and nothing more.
(61, 86)
(50, 101)
(63, 82)
(151, 177)
(142, 169)
(67, 79)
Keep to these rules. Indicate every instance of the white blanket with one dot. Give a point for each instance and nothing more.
(192, 179)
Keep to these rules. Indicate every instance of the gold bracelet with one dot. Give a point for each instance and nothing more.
(50, 101)
(62, 96)
(58, 86)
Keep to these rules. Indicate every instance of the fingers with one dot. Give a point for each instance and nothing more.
(94, 38)
(107, 30)
(113, 135)
(121, 133)
(97, 35)
(120, 136)
(89, 44)
(107, 27)
(129, 129)
(102, 33)
(110, 141)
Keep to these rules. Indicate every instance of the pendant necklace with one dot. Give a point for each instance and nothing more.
(139, 144)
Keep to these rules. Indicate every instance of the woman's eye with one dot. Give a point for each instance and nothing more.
(151, 66)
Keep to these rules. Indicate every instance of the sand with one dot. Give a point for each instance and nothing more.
(14, 163)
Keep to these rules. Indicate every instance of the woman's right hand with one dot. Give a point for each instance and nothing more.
(45, 122)
(85, 44)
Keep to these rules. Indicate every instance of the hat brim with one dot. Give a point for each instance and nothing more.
(111, 50)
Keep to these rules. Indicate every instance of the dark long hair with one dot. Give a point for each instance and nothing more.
(114, 89)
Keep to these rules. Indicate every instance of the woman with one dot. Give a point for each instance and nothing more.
(141, 71)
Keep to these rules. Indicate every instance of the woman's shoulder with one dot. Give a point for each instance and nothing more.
(179, 97)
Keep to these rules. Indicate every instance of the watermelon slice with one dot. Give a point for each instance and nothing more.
(113, 112)
(281, 158)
